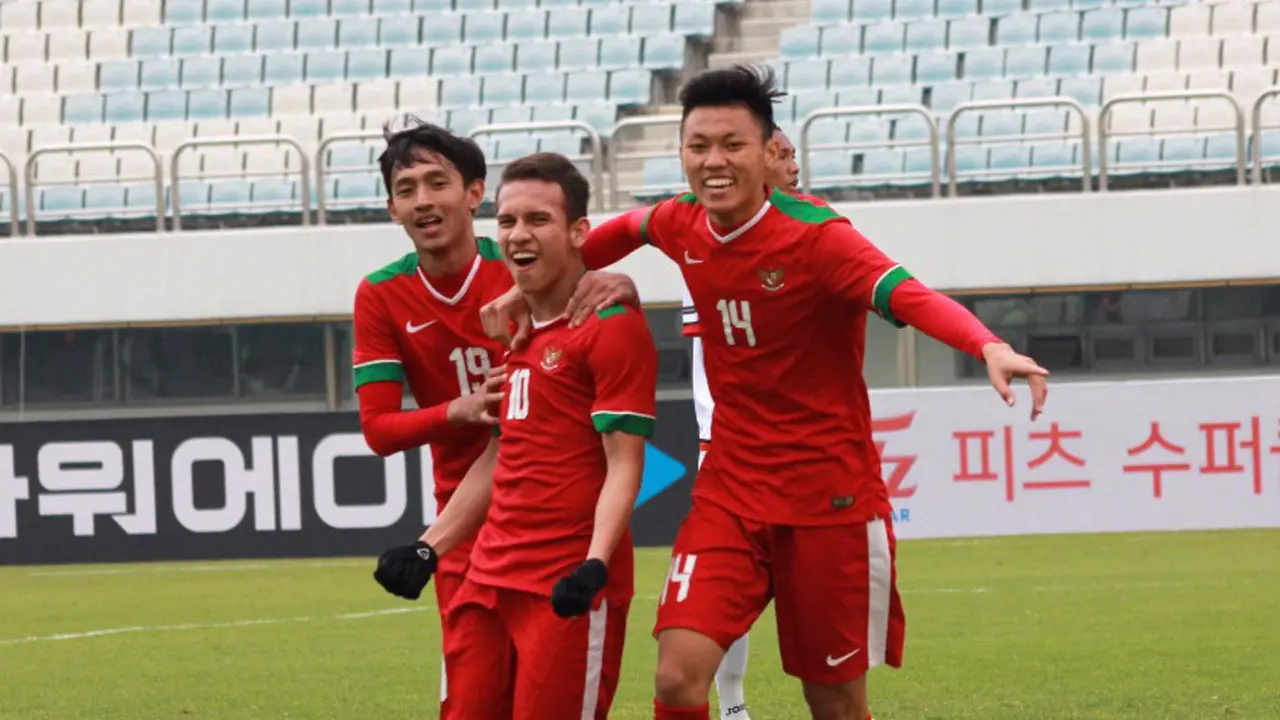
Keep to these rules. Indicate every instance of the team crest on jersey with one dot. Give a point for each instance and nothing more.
(551, 357)
(771, 280)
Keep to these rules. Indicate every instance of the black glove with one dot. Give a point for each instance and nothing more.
(406, 570)
(573, 594)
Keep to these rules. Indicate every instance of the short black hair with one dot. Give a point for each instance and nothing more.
(749, 86)
(553, 168)
(404, 146)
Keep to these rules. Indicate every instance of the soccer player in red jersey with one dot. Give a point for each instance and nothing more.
(417, 322)
(789, 504)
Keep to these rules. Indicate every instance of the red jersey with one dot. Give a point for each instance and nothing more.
(783, 302)
(563, 389)
(408, 331)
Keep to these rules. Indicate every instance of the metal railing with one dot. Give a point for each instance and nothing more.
(304, 169)
(628, 124)
(322, 197)
(15, 224)
(1086, 156)
(935, 172)
(593, 140)
(1256, 125)
(29, 174)
(1104, 113)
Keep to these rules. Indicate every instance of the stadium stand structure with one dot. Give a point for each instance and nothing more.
(120, 114)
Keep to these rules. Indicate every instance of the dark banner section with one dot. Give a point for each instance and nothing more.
(251, 486)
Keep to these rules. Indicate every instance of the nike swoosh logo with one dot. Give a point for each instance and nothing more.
(690, 261)
(832, 662)
(410, 328)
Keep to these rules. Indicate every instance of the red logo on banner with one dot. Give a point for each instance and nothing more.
(896, 477)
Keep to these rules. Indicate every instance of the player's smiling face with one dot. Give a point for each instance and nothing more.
(784, 173)
(725, 157)
(431, 202)
(538, 242)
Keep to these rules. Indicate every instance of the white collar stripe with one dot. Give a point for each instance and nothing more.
(744, 229)
(462, 291)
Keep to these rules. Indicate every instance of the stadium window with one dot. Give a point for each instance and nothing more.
(179, 362)
(343, 343)
(675, 360)
(281, 359)
(58, 367)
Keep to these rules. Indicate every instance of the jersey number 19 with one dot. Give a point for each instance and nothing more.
(472, 365)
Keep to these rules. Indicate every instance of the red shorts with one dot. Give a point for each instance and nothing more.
(451, 573)
(511, 657)
(835, 589)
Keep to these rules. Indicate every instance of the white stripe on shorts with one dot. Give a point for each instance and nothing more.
(879, 585)
(444, 681)
(595, 660)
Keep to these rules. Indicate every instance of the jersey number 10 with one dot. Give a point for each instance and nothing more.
(472, 365)
(736, 315)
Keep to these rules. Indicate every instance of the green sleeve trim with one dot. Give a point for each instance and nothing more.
(611, 311)
(644, 226)
(496, 431)
(379, 371)
(806, 211)
(687, 199)
(406, 265)
(489, 249)
(629, 423)
(883, 290)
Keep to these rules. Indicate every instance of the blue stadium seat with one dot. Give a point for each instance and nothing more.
(984, 64)
(1024, 61)
(1146, 22)
(193, 195)
(267, 9)
(1011, 160)
(515, 146)
(620, 52)
(967, 125)
(570, 3)
(467, 119)
(1113, 59)
(225, 195)
(409, 62)
(308, 8)
(867, 11)
(1136, 151)
(82, 109)
(350, 8)
(586, 86)
(206, 104)
(1221, 149)
(246, 70)
(830, 169)
(317, 34)
(505, 89)
(184, 12)
(140, 198)
(159, 74)
(200, 72)
(599, 115)
(103, 200)
(494, 58)
(918, 161)
(392, 7)
(346, 155)
(935, 68)
(274, 37)
(695, 19)
(568, 22)
(660, 176)
(1085, 90)
(1183, 150)
(282, 69)
(969, 33)
(250, 102)
(849, 71)
(61, 199)
(354, 190)
(585, 54)
(398, 31)
(1044, 6)
(474, 5)
(883, 38)
(827, 131)
(839, 40)
(359, 32)
(610, 20)
(544, 88)
(950, 9)
(192, 40)
(325, 67)
(799, 41)
(432, 7)
(517, 4)
(443, 29)
(1001, 8)
(829, 12)
(910, 10)
(1052, 154)
(1017, 29)
(1103, 25)
(149, 42)
(651, 19)
(1001, 124)
(806, 75)
(125, 107)
(891, 70)
(808, 102)
(1045, 122)
(1093, 4)
(166, 106)
(483, 27)
(459, 92)
(224, 11)
(1063, 27)
(901, 94)
(910, 127)
(271, 193)
(946, 96)
(526, 25)
(664, 52)
(926, 36)
(550, 113)
(539, 56)
(366, 64)
(993, 90)
(630, 87)
(1069, 59)
(970, 159)
(512, 114)
(1041, 87)
(451, 60)
(118, 75)
(229, 39)
(882, 162)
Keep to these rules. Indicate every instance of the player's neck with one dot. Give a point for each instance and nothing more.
(550, 303)
(741, 214)
(451, 259)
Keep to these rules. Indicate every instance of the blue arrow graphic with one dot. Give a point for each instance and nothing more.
(661, 471)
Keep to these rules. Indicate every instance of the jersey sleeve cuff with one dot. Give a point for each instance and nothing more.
(625, 422)
(378, 371)
(883, 290)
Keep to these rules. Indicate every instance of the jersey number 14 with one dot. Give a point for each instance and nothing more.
(736, 315)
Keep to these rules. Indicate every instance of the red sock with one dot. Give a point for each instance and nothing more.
(662, 712)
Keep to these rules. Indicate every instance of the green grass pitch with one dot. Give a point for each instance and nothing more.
(1161, 626)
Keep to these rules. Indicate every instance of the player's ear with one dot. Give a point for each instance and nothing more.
(578, 230)
(475, 195)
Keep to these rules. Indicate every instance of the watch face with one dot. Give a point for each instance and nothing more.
(424, 553)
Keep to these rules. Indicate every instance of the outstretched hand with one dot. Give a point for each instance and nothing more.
(1004, 364)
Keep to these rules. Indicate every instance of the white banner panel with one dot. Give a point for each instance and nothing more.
(1105, 457)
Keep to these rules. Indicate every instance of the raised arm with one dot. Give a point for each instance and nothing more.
(616, 238)
(468, 506)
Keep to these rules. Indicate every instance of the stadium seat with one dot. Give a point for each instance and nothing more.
(322, 67)
(445, 29)
(984, 64)
(664, 52)
(206, 104)
(800, 41)
(1040, 87)
(1146, 22)
(118, 75)
(366, 64)
(1008, 161)
(1113, 59)
(806, 75)
(911, 10)
(183, 12)
(103, 200)
(538, 56)
(849, 71)
(125, 107)
(82, 109)
(98, 13)
(829, 12)
(200, 72)
(891, 70)
(840, 40)
(946, 96)
(350, 8)
(868, 11)
(1063, 27)
(585, 86)
(571, 22)
(954, 9)
(451, 60)
(515, 146)
(192, 40)
(544, 88)
(282, 69)
(1051, 158)
(993, 90)
(483, 27)
(526, 25)
(883, 38)
(1104, 25)
(630, 87)
(935, 68)
(1069, 59)
(61, 199)
(1017, 29)
(159, 74)
(694, 19)
(926, 36)
(969, 33)
(652, 19)
(224, 11)
(399, 31)
(409, 62)
(585, 54)
(1025, 61)
(1085, 90)
(901, 94)
(228, 39)
(275, 36)
(360, 32)
(166, 106)
(308, 8)
(266, 9)
(506, 89)
(149, 42)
